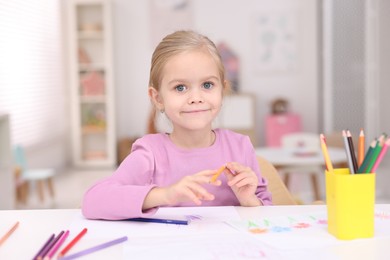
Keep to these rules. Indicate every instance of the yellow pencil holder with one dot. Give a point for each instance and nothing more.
(350, 201)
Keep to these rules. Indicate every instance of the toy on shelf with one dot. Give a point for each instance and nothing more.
(94, 119)
(92, 84)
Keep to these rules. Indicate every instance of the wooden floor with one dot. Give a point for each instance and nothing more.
(69, 187)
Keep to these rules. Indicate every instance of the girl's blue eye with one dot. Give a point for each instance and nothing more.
(180, 88)
(208, 85)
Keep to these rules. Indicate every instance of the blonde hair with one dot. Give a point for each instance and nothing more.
(174, 44)
(179, 42)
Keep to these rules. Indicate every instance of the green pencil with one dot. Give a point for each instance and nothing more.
(367, 158)
(374, 156)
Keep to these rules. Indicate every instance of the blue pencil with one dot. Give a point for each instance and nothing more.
(159, 220)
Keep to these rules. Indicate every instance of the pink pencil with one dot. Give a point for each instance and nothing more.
(57, 246)
(381, 155)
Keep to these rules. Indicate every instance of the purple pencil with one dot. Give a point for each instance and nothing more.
(54, 249)
(50, 245)
(95, 248)
(44, 246)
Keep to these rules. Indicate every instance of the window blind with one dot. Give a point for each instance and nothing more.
(31, 70)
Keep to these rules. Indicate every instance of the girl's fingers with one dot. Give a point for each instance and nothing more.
(199, 191)
(244, 182)
(192, 196)
(237, 178)
(207, 177)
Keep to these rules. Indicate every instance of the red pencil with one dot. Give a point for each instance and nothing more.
(72, 243)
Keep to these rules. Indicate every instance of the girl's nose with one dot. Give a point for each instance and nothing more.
(195, 96)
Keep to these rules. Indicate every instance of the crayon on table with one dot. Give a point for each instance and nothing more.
(49, 246)
(159, 220)
(73, 242)
(44, 246)
(56, 246)
(9, 233)
(95, 248)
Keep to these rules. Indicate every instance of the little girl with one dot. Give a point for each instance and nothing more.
(187, 83)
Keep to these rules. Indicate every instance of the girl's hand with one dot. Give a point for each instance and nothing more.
(190, 188)
(243, 182)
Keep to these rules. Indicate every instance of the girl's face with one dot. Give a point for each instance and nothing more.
(190, 91)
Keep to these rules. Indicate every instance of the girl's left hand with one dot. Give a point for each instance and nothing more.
(243, 182)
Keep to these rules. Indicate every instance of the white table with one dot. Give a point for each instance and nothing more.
(36, 225)
(293, 160)
(282, 157)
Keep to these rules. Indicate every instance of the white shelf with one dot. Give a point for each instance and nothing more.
(92, 67)
(91, 83)
(92, 99)
(7, 184)
(90, 35)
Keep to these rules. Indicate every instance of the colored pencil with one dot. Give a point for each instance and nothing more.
(95, 248)
(348, 152)
(375, 154)
(49, 246)
(73, 242)
(160, 220)
(44, 246)
(381, 155)
(216, 175)
(9, 233)
(57, 245)
(366, 160)
(352, 151)
(361, 147)
(328, 162)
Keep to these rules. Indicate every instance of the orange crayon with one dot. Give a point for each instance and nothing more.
(9, 233)
(216, 175)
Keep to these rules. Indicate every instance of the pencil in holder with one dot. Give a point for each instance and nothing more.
(350, 201)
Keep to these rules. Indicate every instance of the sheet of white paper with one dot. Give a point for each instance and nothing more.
(302, 231)
(210, 246)
(204, 220)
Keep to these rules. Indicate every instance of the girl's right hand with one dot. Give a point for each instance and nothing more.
(191, 188)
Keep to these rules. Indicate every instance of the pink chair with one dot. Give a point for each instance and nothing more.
(279, 125)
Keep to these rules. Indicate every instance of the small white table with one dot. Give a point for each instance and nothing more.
(282, 157)
(288, 160)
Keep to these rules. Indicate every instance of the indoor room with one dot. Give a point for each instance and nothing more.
(308, 86)
(298, 72)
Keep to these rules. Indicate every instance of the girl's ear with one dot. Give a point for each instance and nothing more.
(155, 98)
(226, 88)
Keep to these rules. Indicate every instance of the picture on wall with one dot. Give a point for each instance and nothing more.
(275, 41)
